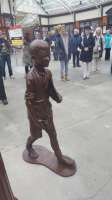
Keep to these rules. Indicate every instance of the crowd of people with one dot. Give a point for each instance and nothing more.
(82, 47)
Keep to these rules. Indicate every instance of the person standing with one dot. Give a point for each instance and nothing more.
(55, 52)
(75, 43)
(26, 53)
(63, 45)
(48, 38)
(107, 41)
(3, 97)
(98, 48)
(86, 56)
(5, 49)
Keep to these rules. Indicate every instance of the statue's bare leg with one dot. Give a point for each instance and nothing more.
(32, 153)
(55, 146)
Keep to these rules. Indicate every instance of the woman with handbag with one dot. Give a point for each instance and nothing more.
(86, 55)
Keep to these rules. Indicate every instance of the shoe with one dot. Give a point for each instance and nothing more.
(85, 78)
(78, 65)
(12, 77)
(66, 78)
(62, 77)
(96, 70)
(74, 66)
(88, 77)
(5, 102)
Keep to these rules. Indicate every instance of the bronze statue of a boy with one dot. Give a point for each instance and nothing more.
(39, 87)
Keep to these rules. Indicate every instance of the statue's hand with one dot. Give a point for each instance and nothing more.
(60, 99)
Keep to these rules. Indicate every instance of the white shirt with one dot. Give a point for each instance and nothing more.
(65, 42)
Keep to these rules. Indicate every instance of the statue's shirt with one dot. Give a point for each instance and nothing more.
(39, 87)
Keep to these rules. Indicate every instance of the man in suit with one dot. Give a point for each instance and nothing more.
(75, 43)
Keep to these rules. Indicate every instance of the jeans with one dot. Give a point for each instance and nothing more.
(64, 67)
(6, 59)
(107, 53)
(2, 89)
(76, 55)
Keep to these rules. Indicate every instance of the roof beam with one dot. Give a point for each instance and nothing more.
(65, 6)
(41, 5)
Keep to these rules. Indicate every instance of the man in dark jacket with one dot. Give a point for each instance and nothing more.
(75, 43)
(5, 48)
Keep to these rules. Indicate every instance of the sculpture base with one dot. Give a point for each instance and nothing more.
(49, 160)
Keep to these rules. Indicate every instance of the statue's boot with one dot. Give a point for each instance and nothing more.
(64, 160)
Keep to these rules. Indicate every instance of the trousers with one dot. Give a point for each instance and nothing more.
(2, 88)
(64, 67)
(6, 59)
(86, 70)
(76, 56)
(107, 53)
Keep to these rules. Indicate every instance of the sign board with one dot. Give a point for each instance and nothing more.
(16, 35)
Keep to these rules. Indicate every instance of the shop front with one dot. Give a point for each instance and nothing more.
(92, 23)
(109, 16)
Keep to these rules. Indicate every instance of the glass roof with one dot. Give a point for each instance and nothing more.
(52, 7)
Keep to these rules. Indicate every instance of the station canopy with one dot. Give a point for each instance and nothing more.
(52, 7)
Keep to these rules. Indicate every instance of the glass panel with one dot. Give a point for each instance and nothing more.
(54, 7)
(110, 20)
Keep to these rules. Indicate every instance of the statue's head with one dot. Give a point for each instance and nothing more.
(40, 53)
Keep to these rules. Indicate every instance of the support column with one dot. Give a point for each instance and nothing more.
(74, 17)
(5, 188)
(48, 23)
(11, 15)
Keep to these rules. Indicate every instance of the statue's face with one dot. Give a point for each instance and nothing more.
(41, 55)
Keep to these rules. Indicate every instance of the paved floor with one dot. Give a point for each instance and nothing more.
(84, 126)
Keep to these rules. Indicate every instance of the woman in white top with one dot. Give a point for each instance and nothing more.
(98, 48)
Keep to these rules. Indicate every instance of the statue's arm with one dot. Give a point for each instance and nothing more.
(30, 92)
(53, 92)
(30, 100)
